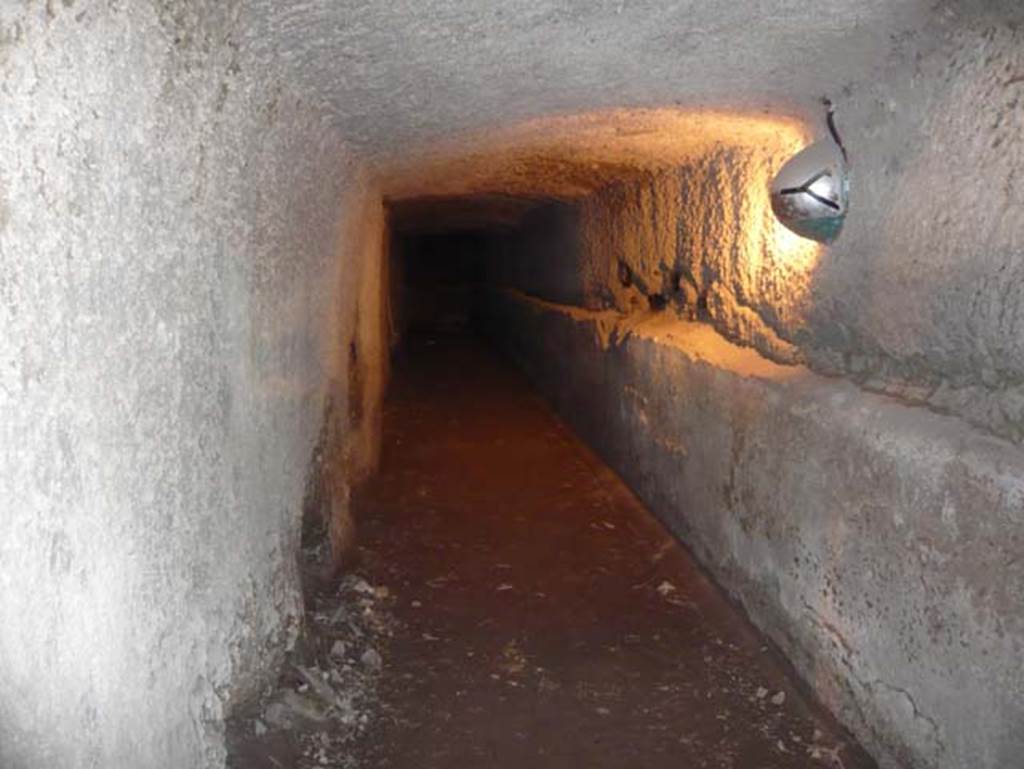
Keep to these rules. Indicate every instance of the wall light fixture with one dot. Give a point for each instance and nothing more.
(811, 193)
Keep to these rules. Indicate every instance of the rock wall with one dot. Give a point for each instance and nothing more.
(177, 286)
(835, 432)
(922, 297)
(878, 544)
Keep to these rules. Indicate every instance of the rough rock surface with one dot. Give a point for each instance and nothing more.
(920, 298)
(878, 544)
(179, 287)
(169, 225)
(403, 74)
(326, 696)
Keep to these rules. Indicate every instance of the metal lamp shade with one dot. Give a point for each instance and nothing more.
(810, 194)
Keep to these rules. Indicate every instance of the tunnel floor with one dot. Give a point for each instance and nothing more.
(544, 617)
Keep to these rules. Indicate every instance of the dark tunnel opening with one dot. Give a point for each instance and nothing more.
(441, 279)
(449, 257)
(537, 613)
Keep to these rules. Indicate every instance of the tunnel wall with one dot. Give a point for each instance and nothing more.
(922, 297)
(877, 544)
(856, 482)
(794, 414)
(177, 282)
(702, 241)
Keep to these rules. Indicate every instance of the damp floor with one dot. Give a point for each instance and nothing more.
(543, 616)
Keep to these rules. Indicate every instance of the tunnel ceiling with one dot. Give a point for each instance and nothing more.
(572, 156)
(442, 214)
(493, 178)
(401, 74)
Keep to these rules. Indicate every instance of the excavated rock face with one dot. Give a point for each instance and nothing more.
(171, 284)
(190, 235)
(402, 74)
(920, 297)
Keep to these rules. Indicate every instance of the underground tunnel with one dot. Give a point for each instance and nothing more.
(445, 384)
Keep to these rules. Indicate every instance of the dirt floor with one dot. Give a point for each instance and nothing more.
(543, 617)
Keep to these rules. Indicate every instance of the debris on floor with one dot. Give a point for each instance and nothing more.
(666, 588)
(513, 660)
(326, 696)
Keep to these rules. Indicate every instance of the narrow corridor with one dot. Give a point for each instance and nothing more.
(544, 617)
